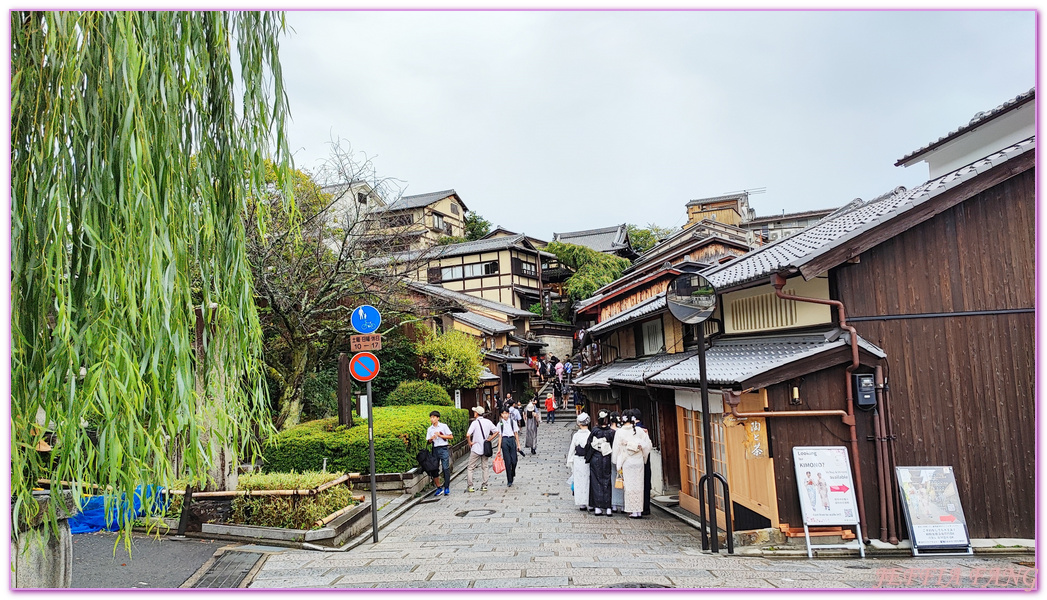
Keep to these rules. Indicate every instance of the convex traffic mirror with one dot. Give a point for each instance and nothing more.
(691, 298)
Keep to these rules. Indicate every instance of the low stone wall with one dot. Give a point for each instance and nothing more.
(39, 559)
(410, 482)
(333, 534)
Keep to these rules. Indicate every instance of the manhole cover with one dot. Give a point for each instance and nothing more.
(637, 585)
(228, 570)
(481, 512)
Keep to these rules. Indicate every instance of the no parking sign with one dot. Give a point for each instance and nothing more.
(364, 366)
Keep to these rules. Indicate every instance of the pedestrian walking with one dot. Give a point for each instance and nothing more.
(517, 417)
(598, 454)
(544, 369)
(440, 435)
(567, 368)
(480, 430)
(576, 462)
(559, 371)
(510, 434)
(631, 448)
(531, 427)
(617, 493)
(550, 408)
(646, 467)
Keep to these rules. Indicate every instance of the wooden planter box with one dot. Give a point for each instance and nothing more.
(335, 533)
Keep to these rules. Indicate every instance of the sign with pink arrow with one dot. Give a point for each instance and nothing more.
(933, 512)
(823, 475)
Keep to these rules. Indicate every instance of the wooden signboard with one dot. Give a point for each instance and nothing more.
(823, 478)
(933, 511)
(365, 343)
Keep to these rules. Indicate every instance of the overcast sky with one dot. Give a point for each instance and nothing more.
(559, 121)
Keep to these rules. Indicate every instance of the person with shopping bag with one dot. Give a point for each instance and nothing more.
(629, 452)
(481, 434)
(509, 431)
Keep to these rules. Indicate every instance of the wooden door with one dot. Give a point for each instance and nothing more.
(750, 469)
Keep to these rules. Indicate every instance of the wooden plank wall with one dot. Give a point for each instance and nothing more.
(962, 388)
(823, 390)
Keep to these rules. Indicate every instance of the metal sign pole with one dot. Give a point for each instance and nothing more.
(708, 441)
(370, 443)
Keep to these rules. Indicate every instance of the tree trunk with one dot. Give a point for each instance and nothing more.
(290, 413)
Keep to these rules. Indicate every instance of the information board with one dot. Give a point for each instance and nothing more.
(932, 509)
(823, 476)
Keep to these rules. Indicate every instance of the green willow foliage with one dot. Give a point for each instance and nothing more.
(592, 269)
(132, 157)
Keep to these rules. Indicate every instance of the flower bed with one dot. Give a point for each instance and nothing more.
(399, 433)
(298, 511)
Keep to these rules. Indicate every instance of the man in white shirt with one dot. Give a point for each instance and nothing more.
(509, 432)
(440, 434)
(480, 430)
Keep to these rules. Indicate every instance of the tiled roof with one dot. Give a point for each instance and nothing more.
(978, 119)
(418, 201)
(484, 324)
(449, 250)
(796, 215)
(647, 307)
(599, 376)
(738, 360)
(467, 300)
(648, 367)
(487, 375)
(607, 239)
(796, 250)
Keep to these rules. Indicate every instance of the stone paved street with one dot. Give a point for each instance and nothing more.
(532, 536)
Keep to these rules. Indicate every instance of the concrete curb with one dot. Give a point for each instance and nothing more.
(875, 548)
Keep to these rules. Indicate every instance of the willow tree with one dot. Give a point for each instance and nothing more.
(136, 138)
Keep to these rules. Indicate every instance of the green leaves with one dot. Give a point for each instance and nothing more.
(452, 360)
(593, 269)
(107, 201)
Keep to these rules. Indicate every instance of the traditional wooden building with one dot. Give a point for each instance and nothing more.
(938, 282)
(609, 240)
(416, 222)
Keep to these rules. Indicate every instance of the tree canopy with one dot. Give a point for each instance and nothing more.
(592, 269)
(132, 160)
(643, 239)
(452, 360)
(476, 226)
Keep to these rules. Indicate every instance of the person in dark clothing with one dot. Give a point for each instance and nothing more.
(598, 455)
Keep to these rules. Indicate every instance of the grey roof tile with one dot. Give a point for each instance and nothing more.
(643, 309)
(737, 360)
(467, 300)
(599, 377)
(417, 201)
(831, 232)
(978, 119)
(606, 239)
(484, 324)
(649, 367)
(449, 250)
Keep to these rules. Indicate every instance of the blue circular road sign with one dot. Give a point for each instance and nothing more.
(364, 366)
(366, 319)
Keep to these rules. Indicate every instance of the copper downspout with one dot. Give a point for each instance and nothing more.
(881, 397)
(881, 459)
(779, 282)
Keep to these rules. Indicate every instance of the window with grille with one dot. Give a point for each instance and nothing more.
(397, 221)
(695, 450)
(454, 208)
(467, 271)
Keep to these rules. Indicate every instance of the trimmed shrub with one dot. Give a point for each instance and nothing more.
(291, 512)
(399, 433)
(418, 392)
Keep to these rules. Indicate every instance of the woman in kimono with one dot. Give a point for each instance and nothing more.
(646, 466)
(531, 427)
(630, 450)
(576, 462)
(598, 455)
(617, 493)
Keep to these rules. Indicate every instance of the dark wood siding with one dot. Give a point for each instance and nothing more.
(961, 386)
(823, 390)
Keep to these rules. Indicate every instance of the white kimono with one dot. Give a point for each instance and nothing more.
(580, 467)
(629, 453)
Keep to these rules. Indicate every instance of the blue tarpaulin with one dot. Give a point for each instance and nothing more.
(92, 514)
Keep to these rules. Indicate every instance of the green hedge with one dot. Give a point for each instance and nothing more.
(399, 433)
(418, 392)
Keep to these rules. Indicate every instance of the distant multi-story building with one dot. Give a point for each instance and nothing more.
(416, 222)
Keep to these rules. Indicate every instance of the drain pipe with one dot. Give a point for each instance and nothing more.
(779, 283)
(892, 530)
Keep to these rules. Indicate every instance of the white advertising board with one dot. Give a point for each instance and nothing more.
(932, 507)
(823, 478)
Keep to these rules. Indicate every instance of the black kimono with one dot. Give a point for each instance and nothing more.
(601, 469)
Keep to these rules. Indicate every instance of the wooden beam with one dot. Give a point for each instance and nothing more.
(909, 219)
